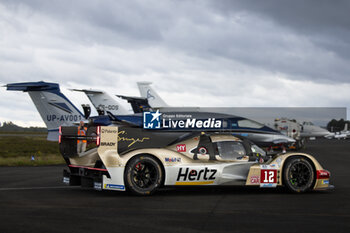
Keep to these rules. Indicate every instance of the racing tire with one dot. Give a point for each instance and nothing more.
(298, 175)
(143, 175)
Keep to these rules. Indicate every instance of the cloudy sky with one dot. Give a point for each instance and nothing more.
(211, 53)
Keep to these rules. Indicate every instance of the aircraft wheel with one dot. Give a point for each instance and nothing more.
(143, 175)
(298, 175)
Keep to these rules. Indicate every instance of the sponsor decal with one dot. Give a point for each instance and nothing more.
(181, 148)
(66, 180)
(192, 123)
(108, 131)
(151, 120)
(98, 186)
(169, 160)
(268, 185)
(325, 181)
(255, 179)
(114, 186)
(107, 143)
(132, 141)
(279, 161)
(195, 175)
(268, 176)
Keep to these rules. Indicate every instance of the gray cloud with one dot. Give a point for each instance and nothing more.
(207, 53)
(324, 23)
(299, 38)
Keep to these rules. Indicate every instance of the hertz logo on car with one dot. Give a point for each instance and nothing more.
(204, 174)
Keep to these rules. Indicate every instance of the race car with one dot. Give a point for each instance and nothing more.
(141, 161)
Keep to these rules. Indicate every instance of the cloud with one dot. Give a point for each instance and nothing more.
(197, 53)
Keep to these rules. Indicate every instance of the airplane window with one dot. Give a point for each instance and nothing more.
(249, 124)
(230, 150)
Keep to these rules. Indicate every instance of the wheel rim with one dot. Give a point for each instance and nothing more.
(300, 175)
(144, 175)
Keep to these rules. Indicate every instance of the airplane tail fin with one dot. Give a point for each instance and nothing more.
(104, 102)
(53, 106)
(138, 104)
(346, 127)
(146, 91)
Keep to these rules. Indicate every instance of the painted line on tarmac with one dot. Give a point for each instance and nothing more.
(37, 188)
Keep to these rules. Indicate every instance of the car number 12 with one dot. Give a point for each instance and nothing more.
(268, 176)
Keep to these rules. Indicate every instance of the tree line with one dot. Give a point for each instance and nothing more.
(337, 125)
(12, 127)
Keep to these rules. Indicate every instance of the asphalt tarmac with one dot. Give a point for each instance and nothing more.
(33, 199)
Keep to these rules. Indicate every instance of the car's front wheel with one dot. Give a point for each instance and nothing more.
(143, 175)
(299, 175)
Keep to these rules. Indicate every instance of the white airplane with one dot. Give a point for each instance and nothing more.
(306, 130)
(345, 130)
(311, 130)
(139, 104)
(154, 100)
(53, 106)
(344, 134)
(103, 102)
(290, 128)
(57, 110)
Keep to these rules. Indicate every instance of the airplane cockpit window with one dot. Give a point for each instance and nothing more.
(308, 123)
(249, 124)
(230, 150)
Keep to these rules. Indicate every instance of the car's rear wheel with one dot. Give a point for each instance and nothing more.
(298, 174)
(143, 175)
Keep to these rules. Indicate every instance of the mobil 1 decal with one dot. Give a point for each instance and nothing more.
(268, 176)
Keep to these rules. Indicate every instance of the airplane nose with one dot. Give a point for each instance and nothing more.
(282, 139)
(288, 139)
(291, 140)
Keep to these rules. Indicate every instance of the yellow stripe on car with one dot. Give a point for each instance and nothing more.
(194, 183)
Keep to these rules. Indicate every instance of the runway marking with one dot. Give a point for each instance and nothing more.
(37, 188)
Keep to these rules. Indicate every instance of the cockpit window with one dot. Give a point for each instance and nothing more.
(249, 124)
(230, 150)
